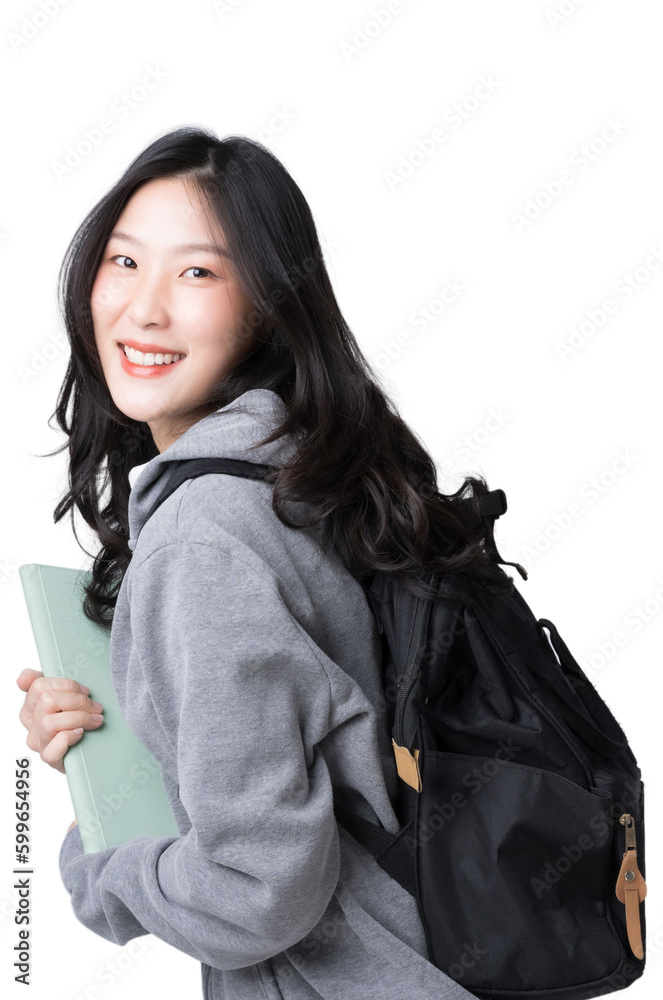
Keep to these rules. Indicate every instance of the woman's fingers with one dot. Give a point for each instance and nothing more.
(56, 712)
(53, 732)
(38, 686)
(26, 677)
(54, 752)
(56, 704)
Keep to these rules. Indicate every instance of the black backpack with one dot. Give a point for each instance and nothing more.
(521, 805)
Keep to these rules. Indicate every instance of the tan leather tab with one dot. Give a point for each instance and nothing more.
(407, 765)
(633, 927)
(631, 888)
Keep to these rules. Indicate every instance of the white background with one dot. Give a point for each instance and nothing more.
(345, 111)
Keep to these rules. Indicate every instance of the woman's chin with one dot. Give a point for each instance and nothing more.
(137, 407)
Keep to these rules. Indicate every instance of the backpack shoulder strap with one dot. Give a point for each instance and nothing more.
(491, 504)
(391, 852)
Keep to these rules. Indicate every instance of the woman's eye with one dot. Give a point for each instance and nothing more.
(121, 256)
(207, 272)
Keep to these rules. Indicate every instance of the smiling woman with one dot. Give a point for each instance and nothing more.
(244, 652)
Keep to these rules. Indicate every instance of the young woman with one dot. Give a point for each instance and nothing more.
(244, 652)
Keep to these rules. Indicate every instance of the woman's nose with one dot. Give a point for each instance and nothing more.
(147, 303)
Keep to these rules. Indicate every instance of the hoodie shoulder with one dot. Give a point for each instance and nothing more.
(231, 511)
(234, 516)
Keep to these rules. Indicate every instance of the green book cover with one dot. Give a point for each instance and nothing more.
(114, 782)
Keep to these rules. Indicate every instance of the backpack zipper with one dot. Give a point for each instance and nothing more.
(631, 887)
(407, 763)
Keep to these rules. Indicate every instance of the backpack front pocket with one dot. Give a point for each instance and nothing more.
(515, 873)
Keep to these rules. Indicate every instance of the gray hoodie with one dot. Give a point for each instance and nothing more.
(247, 661)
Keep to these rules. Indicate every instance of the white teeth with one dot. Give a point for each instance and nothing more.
(149, 359)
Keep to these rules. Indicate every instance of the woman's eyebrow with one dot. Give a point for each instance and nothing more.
(212, 248)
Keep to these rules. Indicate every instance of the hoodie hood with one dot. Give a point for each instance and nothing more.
(227, 433)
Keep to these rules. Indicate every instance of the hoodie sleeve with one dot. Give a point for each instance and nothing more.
(243, 698)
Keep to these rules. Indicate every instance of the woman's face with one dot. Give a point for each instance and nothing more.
(158, 292)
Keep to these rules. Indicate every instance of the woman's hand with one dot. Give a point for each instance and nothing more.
(55, 712)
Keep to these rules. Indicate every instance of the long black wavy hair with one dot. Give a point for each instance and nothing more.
(370, 484)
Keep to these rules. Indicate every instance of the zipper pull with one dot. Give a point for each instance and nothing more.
(631, 887)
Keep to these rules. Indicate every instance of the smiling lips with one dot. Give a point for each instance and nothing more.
(152, 370)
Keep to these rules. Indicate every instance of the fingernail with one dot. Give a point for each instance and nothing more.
(85, 689)
(97, 705)
(98, 718)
